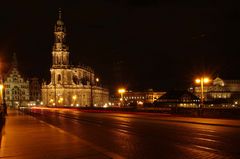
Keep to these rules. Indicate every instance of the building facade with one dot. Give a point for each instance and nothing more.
(178, 99)
(220, 91)
(35, 91)
(16, 87)
(69, 85)
(139, 98)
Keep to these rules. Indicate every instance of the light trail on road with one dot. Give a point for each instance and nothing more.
(133, 135)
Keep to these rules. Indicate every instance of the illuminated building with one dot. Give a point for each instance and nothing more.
(141, 97)
(220, 88)
(16, 87)
(178, 99)
(221, 91)
(69, 85)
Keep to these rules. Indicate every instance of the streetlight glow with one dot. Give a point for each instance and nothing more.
(206, 80)
(198, 80)
(202, 81)
(74, 97)
(121, 90)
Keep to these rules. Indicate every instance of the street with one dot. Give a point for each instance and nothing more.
(133, 135)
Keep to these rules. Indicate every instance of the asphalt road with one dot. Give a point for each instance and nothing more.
(121, 135)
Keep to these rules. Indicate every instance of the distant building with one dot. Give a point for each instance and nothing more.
(70, 86)
(16, 88)
(35, 90)
(141, 97)
(178, 99)
(226, 91)
(220, 89)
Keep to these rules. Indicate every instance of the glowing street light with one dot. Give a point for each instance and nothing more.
(1, 93)
(60, 100)
(97, 79)
(121, 91)
(202, 81)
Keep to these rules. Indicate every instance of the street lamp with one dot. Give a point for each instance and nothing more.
(121, 91)
(97, 80)
(60, 101)
(202, 81)
(1, 93)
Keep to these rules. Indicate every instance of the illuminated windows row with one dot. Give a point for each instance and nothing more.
(135, 97)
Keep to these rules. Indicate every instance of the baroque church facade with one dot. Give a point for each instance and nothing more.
(70, 85)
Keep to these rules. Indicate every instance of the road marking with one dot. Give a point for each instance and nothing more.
(206, 148)
(205, 139)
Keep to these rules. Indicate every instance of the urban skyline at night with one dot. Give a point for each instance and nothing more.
(151, 44)
(119, 79)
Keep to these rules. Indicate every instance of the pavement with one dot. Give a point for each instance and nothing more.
(25, 137)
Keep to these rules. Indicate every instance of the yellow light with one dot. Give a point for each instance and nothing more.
(51, 100)
(60, 100)
(198, 80)
(1, 86)
(122, 90)
(74, 97)
(97, 79)
(206, 80)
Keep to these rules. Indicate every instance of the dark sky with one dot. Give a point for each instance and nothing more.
(145, 44)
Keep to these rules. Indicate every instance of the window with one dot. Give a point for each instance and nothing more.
(59, 78)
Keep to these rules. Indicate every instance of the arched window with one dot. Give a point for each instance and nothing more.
(59, 78)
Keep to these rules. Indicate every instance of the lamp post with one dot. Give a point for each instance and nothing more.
(1, 94)
(3, 101)
(121, 91)
(202, 81)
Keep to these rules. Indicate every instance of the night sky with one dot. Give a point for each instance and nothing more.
(142, 44)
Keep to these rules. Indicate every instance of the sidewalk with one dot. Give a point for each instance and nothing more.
(24, 137)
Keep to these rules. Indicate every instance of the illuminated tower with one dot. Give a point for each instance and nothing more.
(70, 85)
(60, 52)
(60, 73)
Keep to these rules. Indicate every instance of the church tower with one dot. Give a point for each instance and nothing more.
(60, 73)
(60, 52)
(70, 85)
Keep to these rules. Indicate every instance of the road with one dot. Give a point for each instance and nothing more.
(143, 135)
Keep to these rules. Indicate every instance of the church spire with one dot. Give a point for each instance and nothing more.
(60, 50)
(59, 14)
(59, 30)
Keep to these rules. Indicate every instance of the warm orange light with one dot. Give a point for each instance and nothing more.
(206, 80)
(121, 90)
(60, 100)
(74, 97)
(197, 80)
(97, 79)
